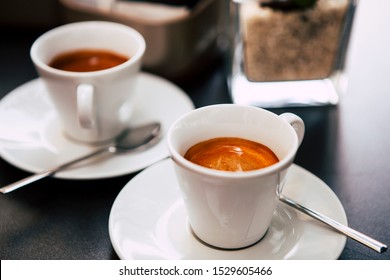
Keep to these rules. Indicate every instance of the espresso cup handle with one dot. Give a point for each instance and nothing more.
(297, 124)
(85, 106)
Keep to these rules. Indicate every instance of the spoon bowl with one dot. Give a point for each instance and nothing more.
(141, 138)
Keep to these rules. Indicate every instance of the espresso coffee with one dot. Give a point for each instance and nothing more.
(87, 60)
(231, 154)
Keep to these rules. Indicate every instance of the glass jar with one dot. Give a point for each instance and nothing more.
(289, 56)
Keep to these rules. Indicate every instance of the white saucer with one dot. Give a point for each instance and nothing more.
(31, 139)
(148, 220)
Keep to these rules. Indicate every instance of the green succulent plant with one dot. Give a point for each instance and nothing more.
(286, 5)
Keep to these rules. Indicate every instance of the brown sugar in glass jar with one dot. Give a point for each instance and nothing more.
(289, 55)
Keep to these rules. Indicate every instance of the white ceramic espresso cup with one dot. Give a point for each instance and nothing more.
(233, 209)
(92, 106)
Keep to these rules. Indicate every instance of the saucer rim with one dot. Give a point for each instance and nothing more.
(341, 215)
(7, 154)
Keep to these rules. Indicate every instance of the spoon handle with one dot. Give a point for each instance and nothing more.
(358, 236)
(35, 177)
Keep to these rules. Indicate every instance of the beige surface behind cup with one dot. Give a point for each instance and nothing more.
(92, 106)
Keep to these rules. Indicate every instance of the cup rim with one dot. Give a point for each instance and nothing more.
(283, 163)
(136, 57)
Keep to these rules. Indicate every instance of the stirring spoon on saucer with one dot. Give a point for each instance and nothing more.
(358, 236)
(132, 139)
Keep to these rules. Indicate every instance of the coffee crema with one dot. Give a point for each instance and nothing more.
(87, 60)
(231, 154)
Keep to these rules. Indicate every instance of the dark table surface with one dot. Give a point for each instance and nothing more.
(347, 146)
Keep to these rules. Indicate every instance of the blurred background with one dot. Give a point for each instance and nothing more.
(180, 35)
(38, 13)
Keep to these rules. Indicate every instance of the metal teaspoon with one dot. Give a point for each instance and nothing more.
(358, 236)
(132, 139)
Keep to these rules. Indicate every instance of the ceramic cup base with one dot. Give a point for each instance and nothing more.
(192, 232)
(53, 132)
(88, 143)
